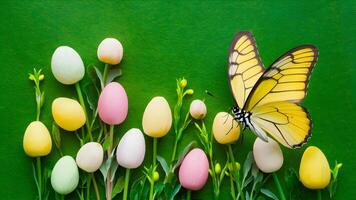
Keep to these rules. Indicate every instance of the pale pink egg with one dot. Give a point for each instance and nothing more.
(113, 104)
(194, 170)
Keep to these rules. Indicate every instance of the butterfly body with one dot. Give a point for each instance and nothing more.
(267, 100)
(242, 116)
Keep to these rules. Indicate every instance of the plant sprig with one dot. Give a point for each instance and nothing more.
(37, 77)
(334, 181)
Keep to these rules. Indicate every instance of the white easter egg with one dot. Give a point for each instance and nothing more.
(131, 150)
(268, 155)
(67, 65)
(65, 175)
(90, 157)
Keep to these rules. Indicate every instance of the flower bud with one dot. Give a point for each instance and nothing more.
(155, 176)
(41, 77)
(110, 51)
(217, 168)
(31, 77)
(190, 91)
(197, 109)
(183, 83)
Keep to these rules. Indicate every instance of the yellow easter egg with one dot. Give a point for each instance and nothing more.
(225, 129)
(314, 171)
(37, 140)
(68, 113)
(157, 118)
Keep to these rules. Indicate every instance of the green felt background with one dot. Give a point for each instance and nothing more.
(166, 40)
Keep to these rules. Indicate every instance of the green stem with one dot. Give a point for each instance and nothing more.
(38, 112)
(111, 135)
(279, 187)
(82, 103)
(188, 194)
(236, 173)
(232, 188)
(318, 194)
(95, 186)
(105, 74)
(39, 177)
(127, 180)
(108, 179)
(88, 186)
(214, 178)
(154, 167)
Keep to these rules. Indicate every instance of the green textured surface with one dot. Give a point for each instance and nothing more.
(167, 40)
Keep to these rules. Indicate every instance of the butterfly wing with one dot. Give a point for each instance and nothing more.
(245, 66)
(286, 80)
(286, 122)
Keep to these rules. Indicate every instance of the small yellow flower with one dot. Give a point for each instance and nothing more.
(217, 168)
(155, 176)
(183, 83)
(190, 91)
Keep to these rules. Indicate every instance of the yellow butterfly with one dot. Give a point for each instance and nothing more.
(267, 101)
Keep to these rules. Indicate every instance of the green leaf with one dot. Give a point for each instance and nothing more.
(248, 181)
(106, 143)
(247, 196)
(254, 170)
(99, 75)
(269, 194)
(247, 164)
(119, 186)
(106, 166)
(186, 149)
(175, 191)
(138, 188)
(112, 74)
(56, 135)
(158, 188)
(42, 99)
(163, 163)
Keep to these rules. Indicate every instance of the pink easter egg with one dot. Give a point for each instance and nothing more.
(113, 104)
(194, 170)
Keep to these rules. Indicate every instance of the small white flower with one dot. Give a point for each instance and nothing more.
(197, 109)
(110, 51)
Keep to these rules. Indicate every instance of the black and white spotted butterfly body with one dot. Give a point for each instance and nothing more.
(244, 118)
